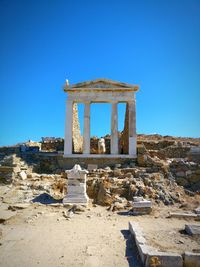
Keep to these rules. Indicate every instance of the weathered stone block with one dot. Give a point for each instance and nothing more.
(23, 175)
(197, 210)
(142, 204)
(164, 259)
(92, 167)
(191, 259)
(192, 229)
(137, 199)
(141, 211)
(182, 215)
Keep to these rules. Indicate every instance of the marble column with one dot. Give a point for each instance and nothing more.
(114, 130)
(86, 131)
(132, 128)
(68, 128)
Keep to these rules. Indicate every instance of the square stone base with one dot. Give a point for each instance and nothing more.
(82, 200)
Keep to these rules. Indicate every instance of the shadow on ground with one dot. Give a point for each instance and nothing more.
(46, 199)
(124, 213)
(132, 255)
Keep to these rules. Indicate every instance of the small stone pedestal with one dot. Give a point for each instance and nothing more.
(76, 190)
(141, 206)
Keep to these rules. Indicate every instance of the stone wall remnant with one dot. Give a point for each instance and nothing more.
(124, 140)
(77, 139)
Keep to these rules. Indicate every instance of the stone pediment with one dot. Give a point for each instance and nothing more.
(101, 84)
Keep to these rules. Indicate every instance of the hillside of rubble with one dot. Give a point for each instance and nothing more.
(33, 183)
(167, 170)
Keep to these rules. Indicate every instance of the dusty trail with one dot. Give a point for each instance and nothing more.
(41, 236)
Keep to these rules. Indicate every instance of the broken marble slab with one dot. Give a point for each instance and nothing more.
(6, 215)
(23, 175)
(142, 204)
(192, 229)
(197, 210)
(138, 199)
(182, 215)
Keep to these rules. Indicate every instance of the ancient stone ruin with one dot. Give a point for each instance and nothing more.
(88, 195)
(100, 91)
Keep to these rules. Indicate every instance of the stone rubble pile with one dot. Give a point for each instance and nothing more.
(23, 185)
(12, 168)
(104, 186)
(182, 169)
(115, 188)
(156, 178)
(186, 173)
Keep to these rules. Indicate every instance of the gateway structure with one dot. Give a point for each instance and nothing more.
(101, 91)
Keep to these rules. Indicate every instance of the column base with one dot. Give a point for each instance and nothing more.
(74, 199)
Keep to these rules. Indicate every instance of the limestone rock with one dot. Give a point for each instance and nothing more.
(6, 215)
(104, 197)
(23, 175)
(197, 210)
(192, 229)
(191, 259)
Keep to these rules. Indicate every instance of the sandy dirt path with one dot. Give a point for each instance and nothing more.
(41, 236)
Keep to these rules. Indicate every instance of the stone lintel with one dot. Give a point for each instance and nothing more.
(100, 97)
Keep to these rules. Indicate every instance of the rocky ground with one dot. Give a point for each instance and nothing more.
(37, 230)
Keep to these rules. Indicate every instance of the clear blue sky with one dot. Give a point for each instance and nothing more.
(153, 43)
